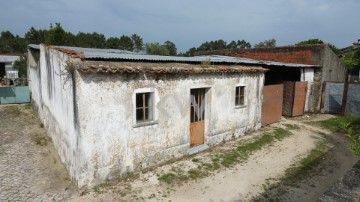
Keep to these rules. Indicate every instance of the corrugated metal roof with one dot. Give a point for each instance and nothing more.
(114, 54)
(9, 58)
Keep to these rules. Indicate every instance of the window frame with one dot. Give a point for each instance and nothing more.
(147, 119)
(240, 96)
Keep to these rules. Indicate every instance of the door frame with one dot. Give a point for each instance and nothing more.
(197, 116)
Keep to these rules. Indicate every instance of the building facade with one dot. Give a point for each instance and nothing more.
(110, 113)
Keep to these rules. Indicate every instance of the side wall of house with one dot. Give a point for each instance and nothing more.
(111, 142)
(332, 68)
(52, 97)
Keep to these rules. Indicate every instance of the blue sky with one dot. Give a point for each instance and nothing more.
(189, 23)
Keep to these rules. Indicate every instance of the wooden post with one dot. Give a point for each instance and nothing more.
(345, 93)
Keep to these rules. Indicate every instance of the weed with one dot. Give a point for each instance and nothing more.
(40, 140)
(292, 126)
(168, 178)
(195, 160)
(197, 173)
(338, 123)
(27, 106)
(280, 133)
(314, 158)
(225, 159)
(101, 188)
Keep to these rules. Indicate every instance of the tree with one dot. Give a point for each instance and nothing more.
(334, 49)
(270, 43)
(156, 49)
(34, 36)
(242, 44)
(309, 42)
(138, 44)
(352, 60)
(113, 42)
(56, 35)
(126, 43)
(11, 44)
(20, 65)
(171, 47)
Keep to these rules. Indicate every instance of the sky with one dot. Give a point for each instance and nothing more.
(189, 23)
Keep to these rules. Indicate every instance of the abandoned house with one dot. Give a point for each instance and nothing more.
(326, 66)
(110, 112)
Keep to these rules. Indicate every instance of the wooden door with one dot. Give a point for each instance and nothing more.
(197, 115)
(299, 98)
(272, 104)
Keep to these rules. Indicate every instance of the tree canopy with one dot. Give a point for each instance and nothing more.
(270, 43)
(56, 35)
(219, 44)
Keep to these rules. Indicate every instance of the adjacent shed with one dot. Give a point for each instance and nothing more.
(324, 65)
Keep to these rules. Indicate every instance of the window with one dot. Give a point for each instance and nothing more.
(144, 107)
(240, 96)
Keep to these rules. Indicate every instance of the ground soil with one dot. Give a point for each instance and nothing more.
(259, 178)
(256, 179)
(311, 185)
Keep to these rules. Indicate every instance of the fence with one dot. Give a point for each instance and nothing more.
(14, 95)
(341, 98)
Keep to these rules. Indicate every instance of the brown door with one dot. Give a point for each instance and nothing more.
(197, 115)
(299, 98)
(294, 98)
(272, 104)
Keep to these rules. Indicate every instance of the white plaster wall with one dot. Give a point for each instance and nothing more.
(112, 144)
(307, 74)
(52, 97)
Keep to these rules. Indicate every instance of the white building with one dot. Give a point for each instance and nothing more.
(6, 66)
(110, 112)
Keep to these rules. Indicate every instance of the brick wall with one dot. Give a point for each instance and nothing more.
(310, 54)
(301, 57)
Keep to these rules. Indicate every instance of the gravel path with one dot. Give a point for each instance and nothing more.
(29, 167)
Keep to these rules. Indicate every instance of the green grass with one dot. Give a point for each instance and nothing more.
(101, 188)
(292, 126)
(168, 178)
(224, 159)
(40, 140)
(311, 160)
(338, 123)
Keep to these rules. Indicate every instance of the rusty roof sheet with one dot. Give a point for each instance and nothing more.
(162, 68)
(114, 54)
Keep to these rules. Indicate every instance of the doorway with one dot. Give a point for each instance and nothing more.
(197, 116)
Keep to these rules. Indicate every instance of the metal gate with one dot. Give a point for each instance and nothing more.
(294, 98)
(272, 104)
(197, 116)
(332, 97)
(14, 95)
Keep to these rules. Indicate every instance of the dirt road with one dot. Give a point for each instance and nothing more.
(258, 178)
(251, 168)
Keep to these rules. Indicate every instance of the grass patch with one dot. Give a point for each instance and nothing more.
(338, 123)
(313, 158)
(224, 159)
(101, 188)
(40, 140)
(168, 178)
(292, 126)
(280, 133)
